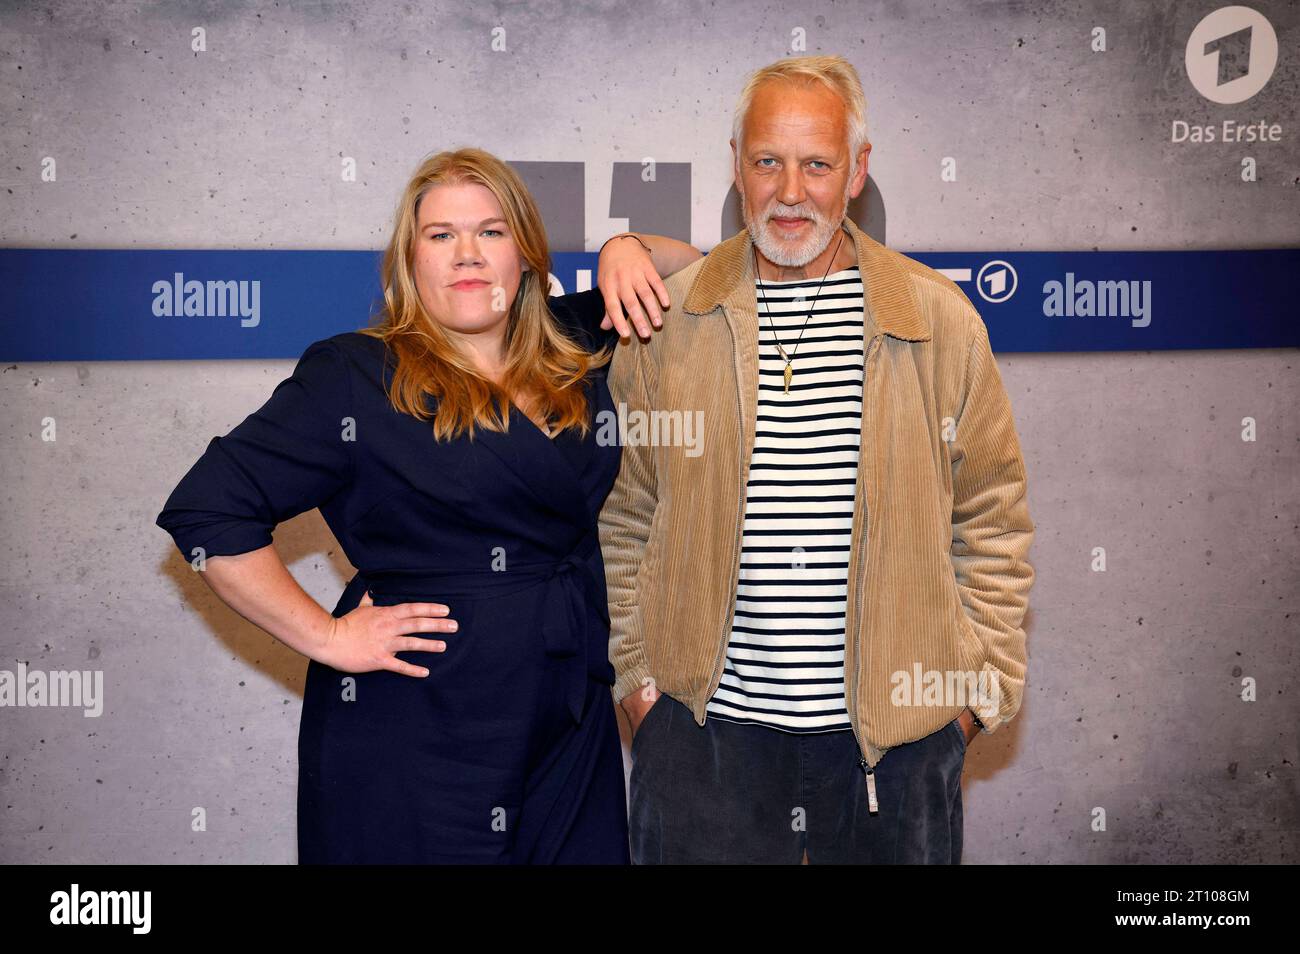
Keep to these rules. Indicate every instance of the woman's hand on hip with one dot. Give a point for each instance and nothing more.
(365, 639)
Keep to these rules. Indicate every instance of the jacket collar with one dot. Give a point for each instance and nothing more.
(889, 297)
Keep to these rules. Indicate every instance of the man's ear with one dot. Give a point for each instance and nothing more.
(860, 174)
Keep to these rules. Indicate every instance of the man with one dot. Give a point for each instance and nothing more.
(809, 611)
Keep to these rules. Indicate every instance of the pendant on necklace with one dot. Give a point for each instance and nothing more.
(789, 372)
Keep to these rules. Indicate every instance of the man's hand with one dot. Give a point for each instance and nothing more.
(637, 704)
(626, 276)
(967, 722)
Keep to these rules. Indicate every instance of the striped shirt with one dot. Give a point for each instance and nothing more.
(785, 654)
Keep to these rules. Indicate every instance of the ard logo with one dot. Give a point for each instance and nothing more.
(1231, 54)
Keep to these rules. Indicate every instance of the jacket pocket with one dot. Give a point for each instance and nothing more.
(659, 704)
(955, 725)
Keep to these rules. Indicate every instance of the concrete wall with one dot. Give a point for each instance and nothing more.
(1134, 698)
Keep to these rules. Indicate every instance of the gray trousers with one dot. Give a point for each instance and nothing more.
(729, 793)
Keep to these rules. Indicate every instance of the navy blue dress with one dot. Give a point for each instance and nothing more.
(508, 751)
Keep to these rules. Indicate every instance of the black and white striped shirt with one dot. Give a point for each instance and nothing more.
(785, 654)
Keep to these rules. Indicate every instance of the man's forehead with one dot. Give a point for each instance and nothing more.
(820, 136)
(778, 119)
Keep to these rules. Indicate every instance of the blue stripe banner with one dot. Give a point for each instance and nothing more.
(74, 305)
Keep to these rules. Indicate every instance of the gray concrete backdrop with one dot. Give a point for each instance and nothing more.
(1134, 700)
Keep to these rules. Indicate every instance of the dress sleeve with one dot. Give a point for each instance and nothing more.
(289, 456)
(580, 314)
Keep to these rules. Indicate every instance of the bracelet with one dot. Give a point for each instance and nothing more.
(626, 235)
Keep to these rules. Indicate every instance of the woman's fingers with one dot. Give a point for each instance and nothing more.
(637, 295)
(651, 303)
(393, 664)
(420, 624)
(632, 304)
(614, 311)
(641, 295)
(620, 296)
(661, 290)
(413, 644)
(405, 610)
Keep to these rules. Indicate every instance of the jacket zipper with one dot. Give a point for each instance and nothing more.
(726, 623)
(730, 615)
(873, 805)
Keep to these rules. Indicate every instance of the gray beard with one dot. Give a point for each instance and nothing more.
(761, 231)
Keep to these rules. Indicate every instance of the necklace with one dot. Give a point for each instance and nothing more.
(789, 358)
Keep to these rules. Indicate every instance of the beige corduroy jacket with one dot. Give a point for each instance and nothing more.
(938, 577)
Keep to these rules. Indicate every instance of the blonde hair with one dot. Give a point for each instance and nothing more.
(834, 72)
(543, 367)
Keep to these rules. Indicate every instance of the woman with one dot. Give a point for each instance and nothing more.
(457, 703)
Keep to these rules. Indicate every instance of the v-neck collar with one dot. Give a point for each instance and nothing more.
(517, 411)
(549, 467)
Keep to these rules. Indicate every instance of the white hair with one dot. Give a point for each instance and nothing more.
(835, 72)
